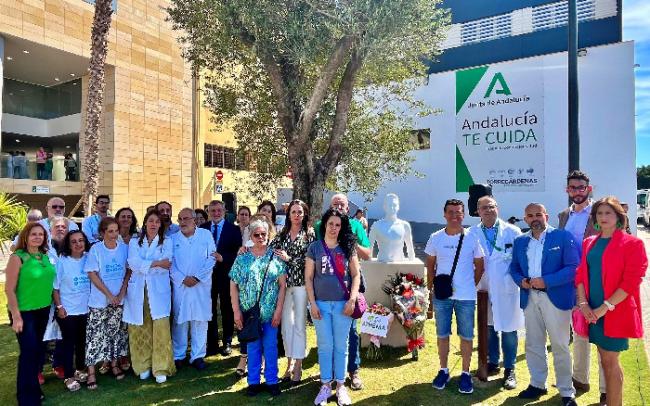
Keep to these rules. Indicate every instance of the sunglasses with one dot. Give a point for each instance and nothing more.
(259, 235)
(56, 206)
(577, 188)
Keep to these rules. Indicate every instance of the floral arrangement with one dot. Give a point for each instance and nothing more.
(374, 348)
(410, 302)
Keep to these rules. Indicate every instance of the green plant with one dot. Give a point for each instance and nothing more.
(13, 217)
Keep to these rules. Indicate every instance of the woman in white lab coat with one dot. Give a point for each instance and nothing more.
(148, 301)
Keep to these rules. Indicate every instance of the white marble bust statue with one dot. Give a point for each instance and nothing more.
(391, 233)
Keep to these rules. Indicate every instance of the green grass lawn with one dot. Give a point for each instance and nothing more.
(393, 380)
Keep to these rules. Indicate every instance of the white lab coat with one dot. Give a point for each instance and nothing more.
(192, 257)
(156, 280)
(505, 315)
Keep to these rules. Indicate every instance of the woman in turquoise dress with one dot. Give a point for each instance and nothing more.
(607, 280)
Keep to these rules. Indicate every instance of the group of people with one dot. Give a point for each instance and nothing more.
(16, 165)
(120, 293)
(582, 278)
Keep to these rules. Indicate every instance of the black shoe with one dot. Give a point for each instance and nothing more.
(493, 369)
(254, 389)
(179, 363)
(509, 379)
(212, 351)
(569, 401)
(274, 389)
(532, 392)
(580, 387)
(226, 350)
(603, 399)
(199, 364)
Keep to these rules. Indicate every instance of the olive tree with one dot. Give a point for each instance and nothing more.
(317, 87)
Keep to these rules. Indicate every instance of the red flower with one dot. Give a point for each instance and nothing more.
(410, 277)
(419, 281)
(408, 293)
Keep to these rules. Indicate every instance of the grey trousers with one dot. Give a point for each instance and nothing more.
(542, 317)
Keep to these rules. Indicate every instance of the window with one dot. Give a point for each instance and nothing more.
(486, 29)
(217, 156)
(421, 139)
(556, 14)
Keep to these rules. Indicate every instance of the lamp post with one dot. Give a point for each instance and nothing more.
(574, 108)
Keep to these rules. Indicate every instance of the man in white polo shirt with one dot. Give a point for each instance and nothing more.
(454, 268)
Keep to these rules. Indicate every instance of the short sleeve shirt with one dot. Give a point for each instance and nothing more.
(110, 264)
(326, 284)
(296, 249)
(73, 284)
(443, 247)
(248, 272)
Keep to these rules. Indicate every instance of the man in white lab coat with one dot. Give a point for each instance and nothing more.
(505, 316)
(191, 275)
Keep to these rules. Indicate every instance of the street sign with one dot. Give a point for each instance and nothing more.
(218, 175)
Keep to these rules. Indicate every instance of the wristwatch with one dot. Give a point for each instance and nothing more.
(610, 306)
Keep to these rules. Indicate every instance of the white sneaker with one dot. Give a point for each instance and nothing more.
(161, 379)
(343, 396)
(324, 394)
(145, 375)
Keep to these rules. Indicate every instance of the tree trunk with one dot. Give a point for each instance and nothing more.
(95, 101)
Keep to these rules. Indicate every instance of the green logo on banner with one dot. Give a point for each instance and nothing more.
(505, 90)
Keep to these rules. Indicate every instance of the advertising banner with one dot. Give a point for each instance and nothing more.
(499, 127)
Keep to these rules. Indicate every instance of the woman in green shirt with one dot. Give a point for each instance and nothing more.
(30, 277)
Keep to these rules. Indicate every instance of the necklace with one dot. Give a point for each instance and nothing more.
(493, 242)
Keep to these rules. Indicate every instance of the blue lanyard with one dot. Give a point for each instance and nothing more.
(493, 243)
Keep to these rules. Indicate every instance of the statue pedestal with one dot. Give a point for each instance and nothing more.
(376, 273)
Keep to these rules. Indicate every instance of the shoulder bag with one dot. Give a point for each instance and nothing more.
(442, 284)
(252, 321)
(360, 305)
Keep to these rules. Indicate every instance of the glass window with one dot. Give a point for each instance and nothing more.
(26, 99)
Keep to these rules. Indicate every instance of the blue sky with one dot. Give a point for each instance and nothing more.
(636, 23)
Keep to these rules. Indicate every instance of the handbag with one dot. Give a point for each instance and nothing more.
(360, 306)
(252, 323)
(442, 284)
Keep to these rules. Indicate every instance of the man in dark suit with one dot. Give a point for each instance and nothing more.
(228, 240)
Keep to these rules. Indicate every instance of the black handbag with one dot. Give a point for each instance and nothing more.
(442, 284)
(252, 320)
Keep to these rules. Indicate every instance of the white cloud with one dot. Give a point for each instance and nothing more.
(636, 15)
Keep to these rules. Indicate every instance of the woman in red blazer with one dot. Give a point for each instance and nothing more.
(608, 280)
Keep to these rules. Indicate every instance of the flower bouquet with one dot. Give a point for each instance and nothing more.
(376, 322)
(410, 303)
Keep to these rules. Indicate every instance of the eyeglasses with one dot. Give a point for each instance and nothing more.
(56, 206)
(580, 188)
(490, 207)
(259, 235)
(181, 219)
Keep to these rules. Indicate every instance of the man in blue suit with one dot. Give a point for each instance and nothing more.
(227, 239)
(544, 263)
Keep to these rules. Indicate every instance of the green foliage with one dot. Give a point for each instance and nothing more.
(643, 177)
(271, 69)
(13, 217)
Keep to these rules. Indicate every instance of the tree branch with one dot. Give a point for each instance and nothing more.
(343, 101)
(319, 93)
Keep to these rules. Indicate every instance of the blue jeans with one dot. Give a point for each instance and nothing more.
(268, 346)
(464, 310)
(354, 349)
(332, 333)
(508, 346)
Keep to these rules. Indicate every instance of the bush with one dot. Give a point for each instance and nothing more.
(13, 217)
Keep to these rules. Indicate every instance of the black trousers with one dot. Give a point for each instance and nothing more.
(73, 345)
(30, 360)
(220, 292)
